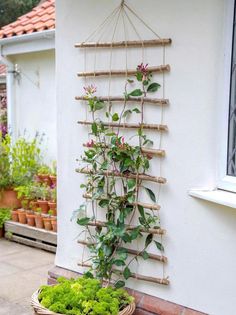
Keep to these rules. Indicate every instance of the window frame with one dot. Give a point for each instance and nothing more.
(225, 181)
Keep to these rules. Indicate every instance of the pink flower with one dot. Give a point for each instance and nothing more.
(90, 144)
(90, 89)
(144, 70)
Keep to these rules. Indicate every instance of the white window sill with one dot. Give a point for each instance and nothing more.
(218, 196)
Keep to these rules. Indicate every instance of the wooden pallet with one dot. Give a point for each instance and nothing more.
(31, 236)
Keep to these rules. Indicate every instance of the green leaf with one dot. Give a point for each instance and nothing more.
(122, 253)
(134, 233)
(153, 87)
(145, 255)
(159, 246)
(119, 262)
(148, 240)
(94, 128)
(126, 113)
(98, 105)
(141, 211)
(136, 110)
(139, 76)
(103, 203)
(127, 273)
(88, 274)
(115, 117)
(130, 80)
(83, 221)
(131, 183)
(119, 284)
(136, 92)
(104, 165)
(150, 194)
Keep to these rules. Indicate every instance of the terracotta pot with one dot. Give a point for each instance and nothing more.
(30, 219)
(44, 178)
(39, 221)
(14, 215)
(53, 207)
(1, 232)
(54, 225)
(33, 205)
(8, 199)
(47, 224)
(43, 204)
(53, 180)
(22, 216)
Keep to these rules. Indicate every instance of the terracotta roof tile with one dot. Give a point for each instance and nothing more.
(39, 19)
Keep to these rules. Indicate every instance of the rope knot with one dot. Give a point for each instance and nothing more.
(122, 3)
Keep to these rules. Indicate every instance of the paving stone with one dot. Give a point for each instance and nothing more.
(6, 269)
(22, 270)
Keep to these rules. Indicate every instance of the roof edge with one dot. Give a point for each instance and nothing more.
(28, 37)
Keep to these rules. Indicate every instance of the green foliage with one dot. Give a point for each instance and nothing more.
(109, 151)
(83, 296)
(5, 215)
(10, 10)
(19, 161)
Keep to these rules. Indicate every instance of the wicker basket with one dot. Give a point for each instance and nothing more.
(39, 309)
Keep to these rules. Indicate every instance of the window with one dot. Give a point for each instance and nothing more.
(227, 103)
(231, 154)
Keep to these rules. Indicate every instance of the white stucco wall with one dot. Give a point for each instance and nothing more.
(34, 98)
(200, 243)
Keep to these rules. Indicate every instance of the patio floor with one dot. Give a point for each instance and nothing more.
(22, 270)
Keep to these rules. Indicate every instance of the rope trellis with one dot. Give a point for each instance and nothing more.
(108, 175)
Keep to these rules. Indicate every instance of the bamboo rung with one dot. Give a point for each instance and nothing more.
(130, 43)
(144, 205)
(157, 152)
(158, 69)
(127, 126)
(136, 276)
(160, 180)
(131, 252)
(130, 228)
(156, 101)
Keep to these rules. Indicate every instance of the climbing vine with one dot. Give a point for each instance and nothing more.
(114, 171)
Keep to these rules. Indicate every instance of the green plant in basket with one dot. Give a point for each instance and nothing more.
(5, 215)
(83, 296)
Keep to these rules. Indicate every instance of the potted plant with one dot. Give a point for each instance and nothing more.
(30, 216)
(39, 219)
(23, 194)
(53, 201)
(47, 221)
(53, 174)
(19, 162)
(89, 297)
(54, 223)
(22, 212)
(8, 197)
(5, 215)
(43, 174)
(14, 215)
(43, 195)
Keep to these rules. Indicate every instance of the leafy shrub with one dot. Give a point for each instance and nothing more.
(83, 296)
(19, 162)
(5, 215)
